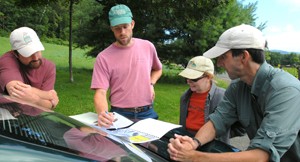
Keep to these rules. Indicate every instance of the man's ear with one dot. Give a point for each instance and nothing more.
(246, 56)
(132, 24)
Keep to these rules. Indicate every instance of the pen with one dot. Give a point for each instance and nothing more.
(112, 122)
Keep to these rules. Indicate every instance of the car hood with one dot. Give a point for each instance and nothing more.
(29, 130)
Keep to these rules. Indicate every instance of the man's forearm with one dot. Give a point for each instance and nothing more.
(46, 103)
(256, 155)
(155, 75)
(100, 101)
(47, 95)
(208, 135)
(48, 99)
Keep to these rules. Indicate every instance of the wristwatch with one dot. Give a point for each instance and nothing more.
(198, 142)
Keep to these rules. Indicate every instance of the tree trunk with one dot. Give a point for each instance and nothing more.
(70, 42)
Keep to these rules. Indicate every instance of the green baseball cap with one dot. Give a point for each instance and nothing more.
(119, 14)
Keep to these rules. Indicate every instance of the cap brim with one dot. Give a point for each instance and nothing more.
(215, 52)
(190, 73)
(120, 20)
(30, 49)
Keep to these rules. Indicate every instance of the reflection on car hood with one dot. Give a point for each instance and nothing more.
(9, 148)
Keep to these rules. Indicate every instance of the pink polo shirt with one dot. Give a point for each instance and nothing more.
(126, 72)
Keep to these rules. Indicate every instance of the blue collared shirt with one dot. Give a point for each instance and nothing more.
(273, 123)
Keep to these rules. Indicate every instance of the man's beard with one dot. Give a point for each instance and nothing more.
(125, 43)
(34, 64)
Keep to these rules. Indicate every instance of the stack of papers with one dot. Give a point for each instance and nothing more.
(140, 132)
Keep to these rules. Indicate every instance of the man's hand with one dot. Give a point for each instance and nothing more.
(53, 98)
(22, 91)
(105, 119)
(181, 148)
(152, 92)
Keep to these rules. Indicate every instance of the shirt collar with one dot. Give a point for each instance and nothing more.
(260, 78)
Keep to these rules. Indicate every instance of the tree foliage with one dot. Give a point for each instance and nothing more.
(49, 18)
(277, 59)
(180, 29)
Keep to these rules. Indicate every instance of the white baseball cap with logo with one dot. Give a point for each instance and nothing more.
(238, 37)
(25, 41)
(196, 67)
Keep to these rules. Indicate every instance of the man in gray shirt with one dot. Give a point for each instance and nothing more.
(264, 99)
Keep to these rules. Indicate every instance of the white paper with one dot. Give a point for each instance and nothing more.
(154, 127)
(121, 121)
(88, 118)
(91, 118)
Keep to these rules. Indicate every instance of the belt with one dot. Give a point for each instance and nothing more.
(134, 109)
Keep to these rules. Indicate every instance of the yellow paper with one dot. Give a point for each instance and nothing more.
(138, 139)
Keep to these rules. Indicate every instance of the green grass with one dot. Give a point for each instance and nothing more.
(167, 101)
(4, 45)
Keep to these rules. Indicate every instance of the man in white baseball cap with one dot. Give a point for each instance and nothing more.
(264, 99)
(24, 74)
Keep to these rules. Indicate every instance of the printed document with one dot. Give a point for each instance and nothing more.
(139, 132)
(145, 130)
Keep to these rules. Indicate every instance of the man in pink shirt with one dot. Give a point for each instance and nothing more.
(24, 74)
(129, 68)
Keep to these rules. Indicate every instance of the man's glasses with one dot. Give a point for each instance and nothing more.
(197, 79)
